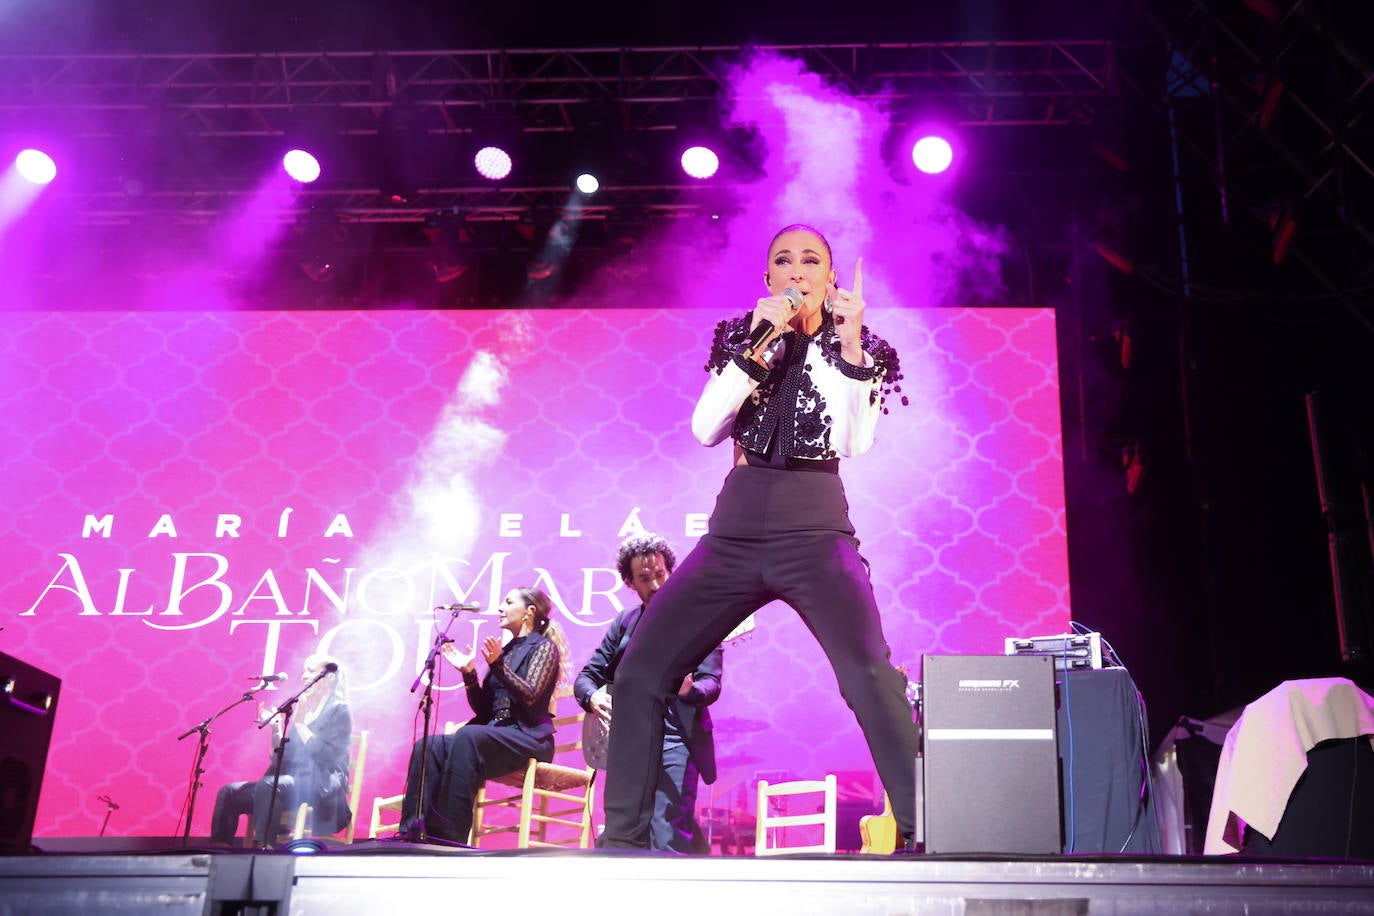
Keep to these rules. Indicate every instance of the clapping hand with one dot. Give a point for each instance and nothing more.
(464, 661)
(269, 713)
(491, 649)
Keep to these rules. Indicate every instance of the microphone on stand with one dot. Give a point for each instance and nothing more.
(459, 608)
(765, 327)
(328, 669)
(107, 800)
(281, 676)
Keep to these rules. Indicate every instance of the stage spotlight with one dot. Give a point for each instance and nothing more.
(1114, 257)
(36, 166)
(301, 166)
(304, 846)
(587, 183)
(1283, 225)
(932, 155)
(450, 247)
(492, 163)
(1272, 89)
(700, 162)
(1265, 10)
(321, 245)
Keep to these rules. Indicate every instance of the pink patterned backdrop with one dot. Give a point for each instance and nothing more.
(193, 498)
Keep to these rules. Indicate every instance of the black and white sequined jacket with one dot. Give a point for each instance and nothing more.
(818, 405)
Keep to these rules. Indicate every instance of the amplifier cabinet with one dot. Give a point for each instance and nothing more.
(28, 703)
(990, 755)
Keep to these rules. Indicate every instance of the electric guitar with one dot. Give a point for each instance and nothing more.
(879, 831)
(596, 732)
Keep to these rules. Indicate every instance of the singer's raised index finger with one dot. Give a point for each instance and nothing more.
(859, 278)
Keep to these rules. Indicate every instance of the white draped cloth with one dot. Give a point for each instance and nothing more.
(1265, 753)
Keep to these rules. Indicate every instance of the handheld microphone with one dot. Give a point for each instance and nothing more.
(459, 608)
(268, 677)
(765, 327)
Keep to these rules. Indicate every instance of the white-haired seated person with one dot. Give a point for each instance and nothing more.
(314, 765)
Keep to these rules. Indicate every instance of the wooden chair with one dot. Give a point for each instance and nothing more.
(300, 820)
(767, 823)
(392, 803)
(541, 785)
(382, 803)
(357, 760)
(551, 795)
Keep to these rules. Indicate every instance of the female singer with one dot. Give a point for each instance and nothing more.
(314, 763)
(797, 384)
(512, 718)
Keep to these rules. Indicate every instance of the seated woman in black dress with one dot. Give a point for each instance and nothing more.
(512, 718)
(314, 764)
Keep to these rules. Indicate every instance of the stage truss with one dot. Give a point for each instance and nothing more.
(253, 98)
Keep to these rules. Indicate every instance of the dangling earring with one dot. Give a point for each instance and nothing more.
(827, 306)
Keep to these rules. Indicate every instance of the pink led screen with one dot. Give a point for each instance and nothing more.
(194, 498)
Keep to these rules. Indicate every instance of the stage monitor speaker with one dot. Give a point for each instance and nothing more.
(27, 708)
(990, 765)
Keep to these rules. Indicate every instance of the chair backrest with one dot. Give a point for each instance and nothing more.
(357, 763)
(561, 692)
(772, 819)
(567, 733)
(567, 729)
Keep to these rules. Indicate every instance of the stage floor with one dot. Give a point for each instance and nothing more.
(383, 877)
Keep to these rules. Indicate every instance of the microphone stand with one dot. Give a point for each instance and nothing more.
(285, 710)
(416, 833)
(111, 807)
(202, 747)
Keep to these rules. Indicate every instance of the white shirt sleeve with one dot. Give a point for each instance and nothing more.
(714, 415)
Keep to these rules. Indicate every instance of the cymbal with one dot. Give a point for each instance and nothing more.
(717, 817)
(738, 724)
(712, 817)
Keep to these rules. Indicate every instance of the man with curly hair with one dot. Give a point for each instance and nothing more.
(644, 563)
